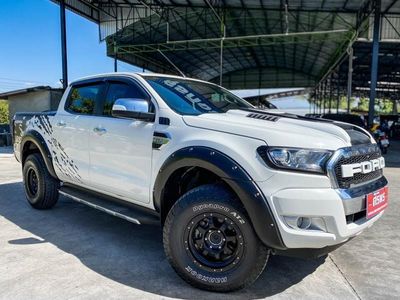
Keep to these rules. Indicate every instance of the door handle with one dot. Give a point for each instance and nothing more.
(61, 124)
(99, 130)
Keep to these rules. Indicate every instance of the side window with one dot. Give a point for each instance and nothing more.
(118, 90)
(82, 99)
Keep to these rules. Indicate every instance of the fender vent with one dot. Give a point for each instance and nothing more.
(265, 117)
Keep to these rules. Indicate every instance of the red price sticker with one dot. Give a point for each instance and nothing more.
(377, 201)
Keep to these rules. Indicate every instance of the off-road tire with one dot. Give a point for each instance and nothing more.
(202, 201)
(45, 195)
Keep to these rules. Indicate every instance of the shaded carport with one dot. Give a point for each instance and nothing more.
(241, 44)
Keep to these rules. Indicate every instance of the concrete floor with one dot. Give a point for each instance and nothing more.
(73, 251)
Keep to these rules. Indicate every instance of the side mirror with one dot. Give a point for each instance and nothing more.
(132, 108)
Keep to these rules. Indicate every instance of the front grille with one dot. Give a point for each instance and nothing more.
(352, 156)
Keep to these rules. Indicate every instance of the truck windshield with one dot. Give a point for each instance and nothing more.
(189, 97)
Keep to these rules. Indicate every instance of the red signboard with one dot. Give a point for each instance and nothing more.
(377, 201)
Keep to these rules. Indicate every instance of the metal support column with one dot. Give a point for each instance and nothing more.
(63, 45)
(338, 94)
(259, 88)
(375, 61)
(221, 54)
(314, 103)
(320, 99)
(115, 41)
(115, 57)
(349, 78)
(324, 97)
(311, 101)
(221, 20)
(330, 94)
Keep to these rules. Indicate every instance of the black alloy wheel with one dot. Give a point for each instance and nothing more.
(214, 241)
(33, 182)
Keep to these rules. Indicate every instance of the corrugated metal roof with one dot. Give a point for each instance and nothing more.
(269, 43)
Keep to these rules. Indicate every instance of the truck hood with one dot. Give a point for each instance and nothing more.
(281, 129)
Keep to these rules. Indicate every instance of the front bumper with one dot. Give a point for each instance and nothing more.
(340, 212)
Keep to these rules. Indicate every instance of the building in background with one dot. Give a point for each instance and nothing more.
(34, 99)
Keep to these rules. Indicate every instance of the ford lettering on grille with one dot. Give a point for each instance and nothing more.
(364, 167)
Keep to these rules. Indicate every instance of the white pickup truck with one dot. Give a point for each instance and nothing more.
(229, 183)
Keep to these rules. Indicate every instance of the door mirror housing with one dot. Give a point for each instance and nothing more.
(132, 108)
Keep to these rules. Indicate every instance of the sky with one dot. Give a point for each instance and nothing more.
(30, 47)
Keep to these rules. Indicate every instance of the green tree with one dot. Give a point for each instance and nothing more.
(4, 112)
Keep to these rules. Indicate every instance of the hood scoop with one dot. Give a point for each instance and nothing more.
(263, 116)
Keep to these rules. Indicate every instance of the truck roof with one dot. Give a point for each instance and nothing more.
(134, 74)
(130, 74)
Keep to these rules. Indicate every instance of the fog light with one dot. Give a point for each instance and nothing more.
(303, 223)
(306, 223)
(298, 222)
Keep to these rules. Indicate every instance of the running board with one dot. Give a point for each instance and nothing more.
(115, 207)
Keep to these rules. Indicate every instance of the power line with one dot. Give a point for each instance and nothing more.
(14, 86)
(17, 83)
(8, 84)
(22, 80)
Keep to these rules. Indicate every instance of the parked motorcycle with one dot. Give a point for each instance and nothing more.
(382, 140)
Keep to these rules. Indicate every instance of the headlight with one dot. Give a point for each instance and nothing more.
(306, 160)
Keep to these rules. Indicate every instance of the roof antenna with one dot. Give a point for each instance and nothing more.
(166, 57)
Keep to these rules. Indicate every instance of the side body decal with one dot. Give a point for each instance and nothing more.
(61, 161)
